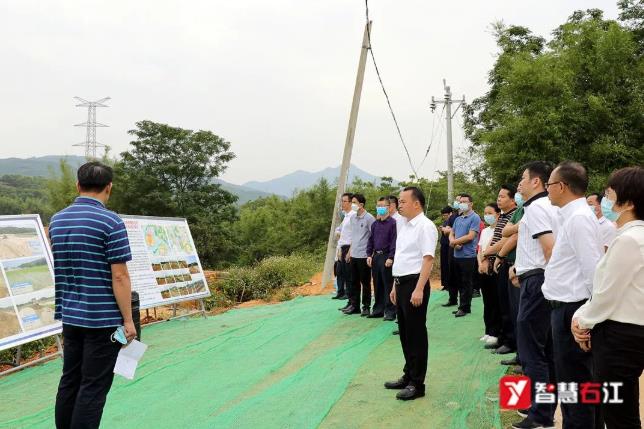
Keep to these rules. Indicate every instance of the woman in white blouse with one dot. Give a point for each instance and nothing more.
(612, 322)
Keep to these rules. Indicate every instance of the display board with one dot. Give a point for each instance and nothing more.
(27, 289)
(165, 267)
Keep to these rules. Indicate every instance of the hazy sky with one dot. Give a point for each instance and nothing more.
(275, 78)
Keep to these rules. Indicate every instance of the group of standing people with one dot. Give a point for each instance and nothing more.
(561, 273)
(396, 250)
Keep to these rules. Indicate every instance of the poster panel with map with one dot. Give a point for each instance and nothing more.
(165, 267)
(26, 282)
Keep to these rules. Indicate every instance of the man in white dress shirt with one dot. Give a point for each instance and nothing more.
(344, 242)
(415, 247)
(537, 229)
(568, 281)
(393, 212)
(607, 229)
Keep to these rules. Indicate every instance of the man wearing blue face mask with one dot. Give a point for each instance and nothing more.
(463, 238)
(381, 249)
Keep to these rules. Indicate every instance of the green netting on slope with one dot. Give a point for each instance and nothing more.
(298, 364)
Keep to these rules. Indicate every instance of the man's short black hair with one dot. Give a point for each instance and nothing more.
(446, 210)
(574, 175)
(361, 199)
(416, 194)
(540, 169)
(347, 194)
(511, 189)
(495, 206)
(468, 196)
(596, 194)
(628, 184)
(384, 199)
(94, 176)
(393, 199)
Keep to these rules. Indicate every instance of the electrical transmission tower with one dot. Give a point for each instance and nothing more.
(90, 142)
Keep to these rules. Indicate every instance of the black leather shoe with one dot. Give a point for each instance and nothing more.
(503, 350)
(465, 311)
(390, 318)
(339, 297)
(491, 346)
(513, 361)
(345, 307)
(365, 312)
(396, 332)
(460, 313)
(399, 384)
(409, 393)
(352, 310)
(476, 293)
(449, 304)
(375, 316)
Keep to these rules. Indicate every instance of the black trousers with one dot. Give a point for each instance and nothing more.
(466, 270)
(452, 276)
(361, 280)
(534, 338)
(508, 316)
(445, 265)
(412, 330)
(383, 281)
(344, 272)
(572, 364)
(491, 311)
(618, 356)
(88, 370)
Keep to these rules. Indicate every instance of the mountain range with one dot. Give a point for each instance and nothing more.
(284, 186)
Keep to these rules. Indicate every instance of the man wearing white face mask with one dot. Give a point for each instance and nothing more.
(463, 238)
(606, 228)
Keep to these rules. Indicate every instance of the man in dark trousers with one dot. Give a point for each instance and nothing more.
(93, 296)
(415, 248)
(357, 256)
(446, 214)
(381, 249)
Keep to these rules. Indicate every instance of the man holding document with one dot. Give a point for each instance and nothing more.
(93, 297)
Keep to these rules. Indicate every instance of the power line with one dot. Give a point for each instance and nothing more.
(391, 110)
(431, 140)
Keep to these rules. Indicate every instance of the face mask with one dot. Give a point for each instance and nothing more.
(489, 219)
(518, 199)
(455, 205)
(354, 207)
(464, 207)
(607, 210)
(381, 211)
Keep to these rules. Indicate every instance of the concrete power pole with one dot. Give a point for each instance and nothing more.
(447, 101)
(346, 157)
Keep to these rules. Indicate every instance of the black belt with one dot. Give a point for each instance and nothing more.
(556, 304)
(379, 252)
(405, 279)
(346, 246)
(531, 273)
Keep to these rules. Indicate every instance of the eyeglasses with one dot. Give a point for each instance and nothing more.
(554, 183)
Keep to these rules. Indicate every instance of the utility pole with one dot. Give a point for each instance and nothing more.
(346, 157)
(447, 101)
(90, 143)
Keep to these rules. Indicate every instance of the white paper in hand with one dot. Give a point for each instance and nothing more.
(128, 359)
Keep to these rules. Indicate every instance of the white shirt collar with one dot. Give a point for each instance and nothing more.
(416, 219)
(602, 220)
(566, 211)
(630, 225)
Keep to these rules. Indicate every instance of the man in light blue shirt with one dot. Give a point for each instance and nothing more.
(464, 239)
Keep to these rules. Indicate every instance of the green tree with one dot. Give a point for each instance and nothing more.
(580, 96)
(61, 186)
(169, 171)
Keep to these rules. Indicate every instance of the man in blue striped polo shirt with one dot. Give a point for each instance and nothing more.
(93, 296)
